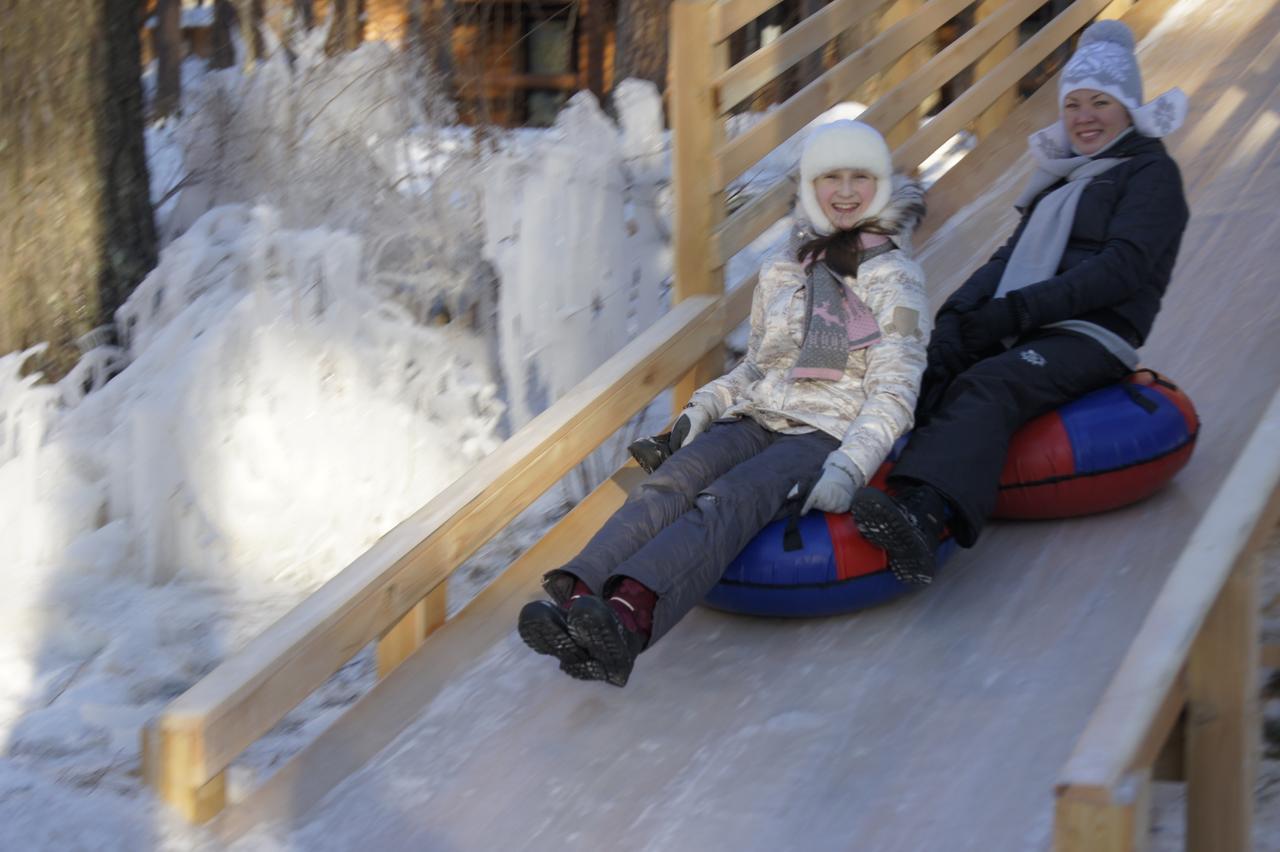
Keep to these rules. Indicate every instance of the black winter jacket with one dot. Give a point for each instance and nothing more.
(1120, 254)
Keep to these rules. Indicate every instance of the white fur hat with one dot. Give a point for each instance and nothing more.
(843, 144)
(1105, 62)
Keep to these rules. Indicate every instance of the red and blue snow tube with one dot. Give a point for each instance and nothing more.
(1107, 449)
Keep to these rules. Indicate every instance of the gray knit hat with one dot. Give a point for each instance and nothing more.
(1105, 62)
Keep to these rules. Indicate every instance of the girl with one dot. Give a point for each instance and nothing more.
(1058, 311)
(829, 381)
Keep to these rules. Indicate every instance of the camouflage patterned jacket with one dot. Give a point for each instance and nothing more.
(873, 404)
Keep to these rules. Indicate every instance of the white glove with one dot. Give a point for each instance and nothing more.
(692, 423)
(834, 490)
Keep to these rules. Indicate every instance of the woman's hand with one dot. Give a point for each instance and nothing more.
(983, 329)
(692, 423)
(834, 490)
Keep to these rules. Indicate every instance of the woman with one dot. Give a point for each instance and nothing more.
(829, 382)
(1058, 311)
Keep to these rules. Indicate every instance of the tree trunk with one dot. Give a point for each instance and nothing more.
(642, 41)
(250, 14)
(76, 226)
(304, 14)
(224, 52)
(346, 26)
(169, 54)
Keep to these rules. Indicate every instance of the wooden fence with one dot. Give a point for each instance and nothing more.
(394, 593)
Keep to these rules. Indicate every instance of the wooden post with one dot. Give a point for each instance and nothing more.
(696, 60)
(169, 759)
(410, 632)
(902, 69)
(994, 116)
(1222, 718)
(1085, 821)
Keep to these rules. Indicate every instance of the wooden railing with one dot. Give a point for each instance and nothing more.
(1188, 683)
(394, 593)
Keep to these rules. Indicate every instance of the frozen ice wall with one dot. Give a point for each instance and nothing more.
(572, 229)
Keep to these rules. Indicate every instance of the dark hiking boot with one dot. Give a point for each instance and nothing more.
(613, 647)
(544, 628)
(907, 528)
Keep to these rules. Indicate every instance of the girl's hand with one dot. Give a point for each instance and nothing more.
(833, 492)
(692, 423)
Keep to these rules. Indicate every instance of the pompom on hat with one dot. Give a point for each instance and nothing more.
(1105, 62)
(844, 144)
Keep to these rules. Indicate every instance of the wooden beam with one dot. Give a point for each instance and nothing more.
(1222, 717)
(750, 221)
(729, 16)
(698, 130)
(995, 115)
(898, 102)
(378, 717)
(1269, 656)
(410, 632)
(986, 91)
(1119, 824)
(251, 691)
(744, 150)
(167, 757)
(1241, 515)
(738, 83)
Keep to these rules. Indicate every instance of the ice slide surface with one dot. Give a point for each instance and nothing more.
(938, 722)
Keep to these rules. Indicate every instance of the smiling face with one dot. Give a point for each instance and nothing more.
(1093, 119)
(844, 195)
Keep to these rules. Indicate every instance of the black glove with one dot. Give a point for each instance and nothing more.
(946, 348)
(983, 329)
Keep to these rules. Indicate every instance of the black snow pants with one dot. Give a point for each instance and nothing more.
(960, 448)
(686, 522)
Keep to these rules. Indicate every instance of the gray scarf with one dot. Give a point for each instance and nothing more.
(1039, 250)
(836, 322)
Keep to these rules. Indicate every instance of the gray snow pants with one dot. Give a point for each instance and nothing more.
(686, 522)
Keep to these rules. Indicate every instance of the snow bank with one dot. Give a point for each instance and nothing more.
(273, 414)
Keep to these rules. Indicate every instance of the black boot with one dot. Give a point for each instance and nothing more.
(906, 527)
(544, 628)
(611, 645)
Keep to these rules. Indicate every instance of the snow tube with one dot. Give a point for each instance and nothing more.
(1105, 450)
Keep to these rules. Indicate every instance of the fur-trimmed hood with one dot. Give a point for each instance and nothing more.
(898, 220)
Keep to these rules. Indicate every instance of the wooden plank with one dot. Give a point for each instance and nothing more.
(1222, 717)
(898, 102)
(248, 693)
(1241, 514)
(1269, 655)
(984, 93)
(1120, 824)
(410, 632)
(729, 16)
(995, 115)
(739, 82)
(697, 130)
(908, 64)
(378, 717)
(166, 759)
(740, 153)
(751, 220)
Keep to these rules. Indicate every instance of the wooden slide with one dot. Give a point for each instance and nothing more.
(934, 724)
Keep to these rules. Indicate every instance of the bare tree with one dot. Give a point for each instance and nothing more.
(167, 36)
(224, 18)
(304, 13)
(250, 14)
(642, 41)
(346, 26)
(76, 226)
